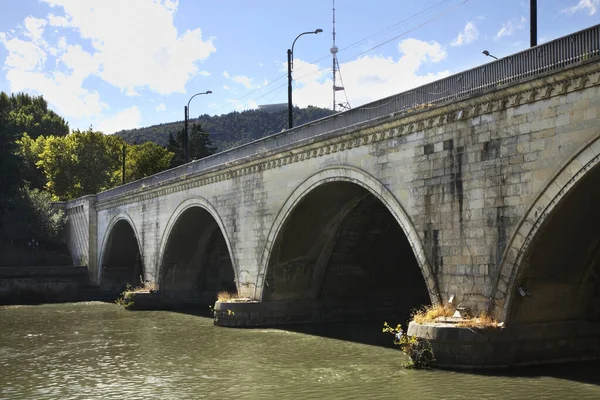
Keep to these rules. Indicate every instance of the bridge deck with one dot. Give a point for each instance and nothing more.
(535, 61)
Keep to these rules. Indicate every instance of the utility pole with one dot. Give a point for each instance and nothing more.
(185, 136)
(290, 111)
(533, 21)
(124, 153)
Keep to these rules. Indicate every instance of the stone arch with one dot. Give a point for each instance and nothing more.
(371, 185)
(193, 202)
(121, 216)
(567, 177)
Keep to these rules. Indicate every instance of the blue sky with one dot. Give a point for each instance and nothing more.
(116, 64)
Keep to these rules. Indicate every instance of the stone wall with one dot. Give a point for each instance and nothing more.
(81, 232)
(27, 285)
(515, 345)
(459, 179)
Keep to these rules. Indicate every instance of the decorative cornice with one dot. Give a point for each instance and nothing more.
(403, 123)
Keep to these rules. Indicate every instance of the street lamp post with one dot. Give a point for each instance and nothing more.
(533, 22)
(186, 111)
(487, 53)
(290, 60)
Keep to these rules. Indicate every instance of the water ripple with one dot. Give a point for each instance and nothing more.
(99, 351)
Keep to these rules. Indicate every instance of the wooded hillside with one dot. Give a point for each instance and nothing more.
(228, 130)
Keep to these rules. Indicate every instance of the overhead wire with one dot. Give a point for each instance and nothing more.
(355, 44)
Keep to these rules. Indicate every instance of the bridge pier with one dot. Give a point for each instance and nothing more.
(514, 345)
(277, 313)
(467, 188)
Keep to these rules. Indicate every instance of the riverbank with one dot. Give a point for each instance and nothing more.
(48, 284)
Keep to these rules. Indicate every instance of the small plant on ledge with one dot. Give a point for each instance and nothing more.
(448, 314)
(418, 350)
(228, 297)
(126, 297)
(432, 313)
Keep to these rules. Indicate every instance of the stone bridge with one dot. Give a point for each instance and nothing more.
(482, 187)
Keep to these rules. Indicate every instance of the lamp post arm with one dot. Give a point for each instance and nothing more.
(186, 111)
(197, 94)
(292, 51)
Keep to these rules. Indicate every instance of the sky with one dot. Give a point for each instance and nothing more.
(122, 64)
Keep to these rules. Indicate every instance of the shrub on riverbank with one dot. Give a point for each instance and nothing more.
(418, 350)
(127, 296)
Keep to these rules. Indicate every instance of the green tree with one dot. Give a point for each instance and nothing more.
(199, 142)
(10, 163)
(80, 163)
(34, 216)
(29, 150)
(145, 160)
(31, 114)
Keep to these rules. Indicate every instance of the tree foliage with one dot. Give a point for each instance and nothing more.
(145, 160)
(228, 130)
(25, 113)
(22, 113)
(199, 145)
(34, 216)
(87, 162)
(81, 163)
(10, 165)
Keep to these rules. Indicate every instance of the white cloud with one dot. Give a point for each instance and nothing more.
(368, 78)
(22, 55)
(54, 20)
(153, 55)
(35, 28)
(128, 118)
(161, 107)
(469, 34)
(510, 27)
(134, 45)
(241, 79)
(591, 6)
(63, 92)
(243, 105)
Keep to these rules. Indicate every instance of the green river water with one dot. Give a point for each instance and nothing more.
(100, 351)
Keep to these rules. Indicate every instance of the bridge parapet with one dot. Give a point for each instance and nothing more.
(545, 58)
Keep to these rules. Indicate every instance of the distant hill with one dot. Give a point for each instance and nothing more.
(228, 130)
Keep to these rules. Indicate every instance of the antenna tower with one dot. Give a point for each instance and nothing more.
(335, 68)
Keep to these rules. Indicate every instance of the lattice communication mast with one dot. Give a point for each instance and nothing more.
(335, 69)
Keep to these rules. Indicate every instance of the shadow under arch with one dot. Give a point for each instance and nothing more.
(556, 246)
(121, 258)
(195, 255)
(349, 209)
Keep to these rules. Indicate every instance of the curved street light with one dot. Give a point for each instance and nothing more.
(487, 53)
(290, 59)
(186, 110)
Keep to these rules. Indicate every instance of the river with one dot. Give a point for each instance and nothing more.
(101, 351)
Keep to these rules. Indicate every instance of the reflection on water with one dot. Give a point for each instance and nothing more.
(100, 351)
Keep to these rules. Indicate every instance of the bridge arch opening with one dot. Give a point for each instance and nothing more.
(196, 264)
(342, 253)
(122, 260)
(559, 273)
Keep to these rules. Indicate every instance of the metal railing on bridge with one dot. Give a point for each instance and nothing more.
(556, 54)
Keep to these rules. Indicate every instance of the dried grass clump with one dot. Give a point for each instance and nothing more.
(224, 297)
(432, 313)
(484, 321)
(145, 287)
